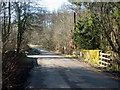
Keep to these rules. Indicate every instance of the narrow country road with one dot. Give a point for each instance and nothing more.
(55, 71)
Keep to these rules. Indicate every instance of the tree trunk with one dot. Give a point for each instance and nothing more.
(19, 30)
(9, 19)
(74, 20)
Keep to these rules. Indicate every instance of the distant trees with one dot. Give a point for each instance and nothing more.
(100, 28)
(57, 30)
(62, 28)
(97, 26)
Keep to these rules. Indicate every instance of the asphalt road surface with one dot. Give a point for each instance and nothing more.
(55, 71)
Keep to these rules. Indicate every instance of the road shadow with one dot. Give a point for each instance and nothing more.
(74, 77)
(60, 76)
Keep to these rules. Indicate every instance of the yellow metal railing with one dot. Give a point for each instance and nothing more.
(91, 55)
